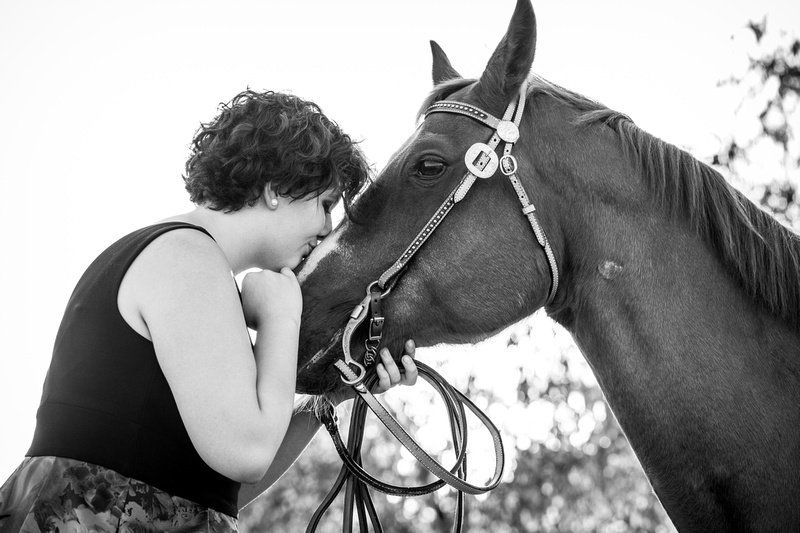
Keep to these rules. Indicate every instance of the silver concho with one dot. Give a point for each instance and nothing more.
(481, 160)
(508, 131)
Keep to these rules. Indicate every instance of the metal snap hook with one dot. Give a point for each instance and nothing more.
(348, 369)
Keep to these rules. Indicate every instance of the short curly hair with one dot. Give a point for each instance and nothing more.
(261, 138)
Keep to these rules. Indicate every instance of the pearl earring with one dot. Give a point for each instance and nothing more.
(274, 202)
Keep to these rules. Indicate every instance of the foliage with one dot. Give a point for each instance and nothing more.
(762, 153)
(569, 467)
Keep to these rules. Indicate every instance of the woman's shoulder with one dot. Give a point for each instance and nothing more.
(135, 242)
(182, 272)
(174, 227)
(176, 233)
(184, 249)
(178, 254)
(170, 272)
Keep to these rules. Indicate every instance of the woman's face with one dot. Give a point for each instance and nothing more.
(296, 228)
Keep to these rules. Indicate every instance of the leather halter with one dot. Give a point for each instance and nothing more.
(482, 162)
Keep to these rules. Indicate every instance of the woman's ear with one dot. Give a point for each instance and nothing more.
(270, 197)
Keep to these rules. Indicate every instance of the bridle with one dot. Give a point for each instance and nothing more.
(482, 162)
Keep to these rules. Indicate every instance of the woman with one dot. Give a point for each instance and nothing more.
(157, 406)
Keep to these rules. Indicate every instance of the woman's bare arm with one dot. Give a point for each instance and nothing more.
(234, 399)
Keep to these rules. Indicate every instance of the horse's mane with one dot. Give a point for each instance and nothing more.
(759, 252)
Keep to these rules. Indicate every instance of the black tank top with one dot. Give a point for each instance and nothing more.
(106, 400)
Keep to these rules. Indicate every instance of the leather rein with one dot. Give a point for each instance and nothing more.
(482, 162)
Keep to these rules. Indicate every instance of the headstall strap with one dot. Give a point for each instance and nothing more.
(482, 162)
(507, 130)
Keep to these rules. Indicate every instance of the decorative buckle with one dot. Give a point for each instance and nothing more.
(481, 160)
(508, 164)
(508, 131)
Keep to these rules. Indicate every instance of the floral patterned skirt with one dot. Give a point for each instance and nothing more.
(54, 494)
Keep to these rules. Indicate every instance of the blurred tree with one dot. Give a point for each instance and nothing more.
(762, 153)
(569, 467)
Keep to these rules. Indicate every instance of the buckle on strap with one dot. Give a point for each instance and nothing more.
(481, 160)
(377, 319)
(508, 164)
(376, 328)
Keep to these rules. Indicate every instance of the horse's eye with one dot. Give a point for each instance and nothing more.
(430, 168)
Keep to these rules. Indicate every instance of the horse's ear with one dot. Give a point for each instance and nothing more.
(512, 59)
(442, 69)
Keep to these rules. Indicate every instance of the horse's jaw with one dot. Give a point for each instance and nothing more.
(318, 346)
(317, 375)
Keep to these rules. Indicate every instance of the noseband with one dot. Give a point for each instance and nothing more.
(482, 162)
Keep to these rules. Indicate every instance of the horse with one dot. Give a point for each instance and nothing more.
(682, 295)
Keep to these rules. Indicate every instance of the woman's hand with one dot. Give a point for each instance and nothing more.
(389, 374)
(268, 295)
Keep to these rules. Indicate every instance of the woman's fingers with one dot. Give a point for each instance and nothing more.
(389, 374)
(384, 382)
(410, 376)
(390, 367)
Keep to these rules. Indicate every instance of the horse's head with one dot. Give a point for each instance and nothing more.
(480, 270)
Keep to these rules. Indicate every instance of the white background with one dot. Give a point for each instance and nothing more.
(99, 101)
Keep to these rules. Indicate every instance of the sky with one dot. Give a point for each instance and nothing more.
(99, 101)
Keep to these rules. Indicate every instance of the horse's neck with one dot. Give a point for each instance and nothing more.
(703, 381)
